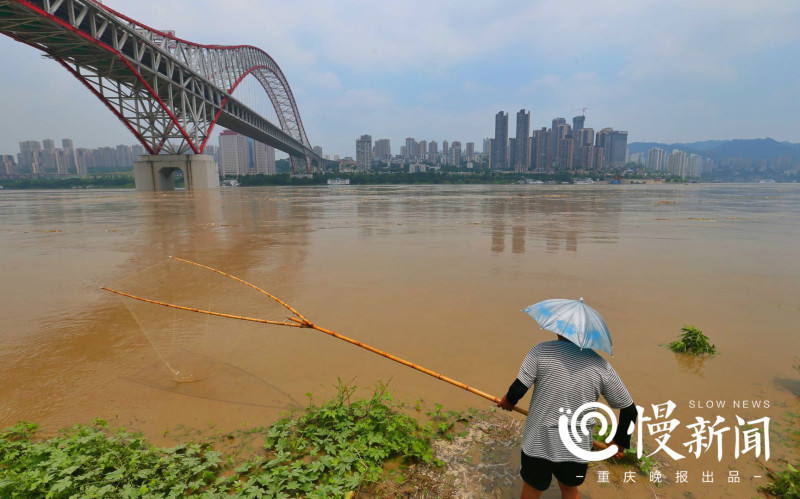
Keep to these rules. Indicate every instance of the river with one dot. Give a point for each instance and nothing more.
(433, 274)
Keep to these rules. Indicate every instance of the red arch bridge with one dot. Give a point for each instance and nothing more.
(169, 92)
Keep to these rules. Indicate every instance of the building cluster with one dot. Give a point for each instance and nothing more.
(562, 147)
(451, 153)
(241, 155)
(44, 158)
(677, 163)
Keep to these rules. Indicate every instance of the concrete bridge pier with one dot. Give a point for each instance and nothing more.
(154, 172)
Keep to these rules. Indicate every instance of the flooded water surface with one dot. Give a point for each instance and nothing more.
(433, 274)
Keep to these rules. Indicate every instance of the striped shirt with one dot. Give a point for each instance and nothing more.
(564, 376)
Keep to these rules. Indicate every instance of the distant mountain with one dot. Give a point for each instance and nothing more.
(718, 149)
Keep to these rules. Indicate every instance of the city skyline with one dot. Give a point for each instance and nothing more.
(665, 72)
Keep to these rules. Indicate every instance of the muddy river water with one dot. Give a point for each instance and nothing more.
(434, 274)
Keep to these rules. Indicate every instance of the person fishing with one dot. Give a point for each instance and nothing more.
(564, 376)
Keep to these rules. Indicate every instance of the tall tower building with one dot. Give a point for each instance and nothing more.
(410, 143)
(433, 151)
(615, 143)
(364, 153)
(557, 122)
(383, 149)
(566, 156)
(577, 124)
(500, 144)
(677, 163)
(234, 157)
(70, 160)
(455, 154)
(694, 165)
(423, 150)
(29, 156)
(656, 159)
(521, 161)
(470, 152)
(264, 158)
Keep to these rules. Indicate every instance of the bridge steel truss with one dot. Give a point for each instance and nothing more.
(168, 91)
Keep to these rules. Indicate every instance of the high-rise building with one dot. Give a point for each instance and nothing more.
(585, 137)
(470, 152)
(619, 148)
(677, 163)
(29, 156)
(500, 143)
(540, 146)
(656, 159)
(556, 137)
(614, 144)
(445, 148)
(599, 158)
(264, 158)
(234, 157)
(487, 144)
(433, 151)
(383, 149)
(577, 124)
(7, 165)
(318, 151)
(455, 153)
(566, 155)
(587, 157)
(521, 152)
(49, 163)
(694, 165)
(68, 158)
(410, 143)
(364, 153)
(423, 150)
(122, 156)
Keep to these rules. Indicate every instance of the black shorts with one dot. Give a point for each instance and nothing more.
(538, 472)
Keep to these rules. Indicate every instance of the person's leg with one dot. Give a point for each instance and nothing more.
(528, 492)
(570, 476)
(567, 492)
(536, 476)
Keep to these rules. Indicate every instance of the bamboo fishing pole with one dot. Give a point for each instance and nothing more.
(298, 320)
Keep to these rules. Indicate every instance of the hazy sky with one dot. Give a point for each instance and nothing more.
(665, 70)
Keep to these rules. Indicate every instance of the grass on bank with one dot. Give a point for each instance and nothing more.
(784, 484)
(693, 341)
(324, 451)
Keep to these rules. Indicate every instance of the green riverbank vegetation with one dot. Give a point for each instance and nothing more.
(341, 447)
(116, 180)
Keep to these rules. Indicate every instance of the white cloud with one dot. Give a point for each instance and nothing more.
(619, 58)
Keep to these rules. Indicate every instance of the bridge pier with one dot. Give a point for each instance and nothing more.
(154, 172)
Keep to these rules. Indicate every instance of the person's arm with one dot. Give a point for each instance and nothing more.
(515, 392)
(622, 438)
(618, 397)
(525, 378)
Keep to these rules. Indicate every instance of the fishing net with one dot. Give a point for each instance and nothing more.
(192, 345)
